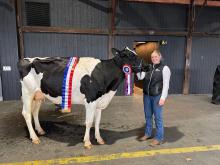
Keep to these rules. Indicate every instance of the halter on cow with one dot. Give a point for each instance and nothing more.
(94, 84)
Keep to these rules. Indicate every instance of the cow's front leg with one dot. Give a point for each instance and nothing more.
(97, 123)
(90, 113)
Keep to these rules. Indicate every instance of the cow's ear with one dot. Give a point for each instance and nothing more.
(115, 51)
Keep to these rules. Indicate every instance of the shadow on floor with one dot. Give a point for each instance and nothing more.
(73, 134)
(171, 134)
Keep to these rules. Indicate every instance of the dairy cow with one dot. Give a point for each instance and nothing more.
(94, 83)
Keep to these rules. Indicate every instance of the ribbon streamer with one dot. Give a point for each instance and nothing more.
(127, 86)
(67, 84)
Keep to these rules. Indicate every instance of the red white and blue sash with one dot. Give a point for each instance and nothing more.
(67, 84)
(128, 85)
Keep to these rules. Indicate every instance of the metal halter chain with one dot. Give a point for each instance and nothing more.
(140, 65)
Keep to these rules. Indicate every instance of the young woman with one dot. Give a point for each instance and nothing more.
(155, 87)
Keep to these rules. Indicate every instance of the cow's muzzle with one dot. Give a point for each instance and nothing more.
(137, 68)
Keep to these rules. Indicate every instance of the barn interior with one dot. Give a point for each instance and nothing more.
(187, 32)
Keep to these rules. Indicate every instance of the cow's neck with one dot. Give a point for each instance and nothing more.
(118, 62)
(119, 74)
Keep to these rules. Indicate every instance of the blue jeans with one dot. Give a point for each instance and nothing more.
(151, 107)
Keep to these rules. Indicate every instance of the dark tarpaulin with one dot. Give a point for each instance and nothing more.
(216, 87)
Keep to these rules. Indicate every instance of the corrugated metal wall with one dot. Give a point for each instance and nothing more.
(77, 13)
(49, 44)
(208, 19)
(8, 51)
(163, 17)
(205, 58)
(205, 51)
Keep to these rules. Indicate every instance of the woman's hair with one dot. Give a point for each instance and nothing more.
(157, 51)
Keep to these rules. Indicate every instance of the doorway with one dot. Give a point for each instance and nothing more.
(144, 50)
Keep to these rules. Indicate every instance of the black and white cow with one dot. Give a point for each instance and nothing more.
(94, 84)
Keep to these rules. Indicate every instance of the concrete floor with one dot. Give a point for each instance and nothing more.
(189, 121)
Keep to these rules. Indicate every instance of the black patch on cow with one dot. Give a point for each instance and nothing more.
(24, 67)
(106, 76)
(53, 70)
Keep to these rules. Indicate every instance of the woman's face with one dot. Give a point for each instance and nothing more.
(155, 58)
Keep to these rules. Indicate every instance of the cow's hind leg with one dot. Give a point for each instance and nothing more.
(90, 113)
(26, 112)
(97, 123)
(35, 113)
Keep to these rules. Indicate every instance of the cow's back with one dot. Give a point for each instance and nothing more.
(93, 79)
(47, 73)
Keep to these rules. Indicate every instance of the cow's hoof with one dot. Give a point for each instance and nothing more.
(65, 110)
(87, 146)
(37, 141)
(42, 132)
(101, 142)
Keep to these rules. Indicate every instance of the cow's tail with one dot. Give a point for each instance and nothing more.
(24, 66)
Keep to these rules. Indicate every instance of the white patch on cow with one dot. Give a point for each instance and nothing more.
(31, 82)
(32, 59)
(84, 67)
(93, 110)
(90, 114)
(105, 99)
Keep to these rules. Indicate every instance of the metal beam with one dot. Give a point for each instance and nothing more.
(111, 27)
(162, 1)
(124, 31)
(121, 31)
(205, 34)
(188, 49)
(183, 2)
(113, 14)
(42, 29)
(20, 38)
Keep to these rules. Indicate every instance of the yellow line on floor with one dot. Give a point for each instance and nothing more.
(125, 155)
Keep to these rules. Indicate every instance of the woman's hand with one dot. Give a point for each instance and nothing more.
(161, 102)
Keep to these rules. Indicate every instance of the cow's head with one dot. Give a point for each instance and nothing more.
(128, 56)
